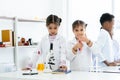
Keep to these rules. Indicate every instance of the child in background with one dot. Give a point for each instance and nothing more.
(116, 50)
(58, 46)
(79, 54)
(105, 44)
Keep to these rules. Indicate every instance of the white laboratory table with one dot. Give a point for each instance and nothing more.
(74, 75)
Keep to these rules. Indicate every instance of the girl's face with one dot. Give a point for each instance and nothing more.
(52, 29)
(79, 32)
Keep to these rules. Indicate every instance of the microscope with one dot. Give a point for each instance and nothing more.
(50, 60)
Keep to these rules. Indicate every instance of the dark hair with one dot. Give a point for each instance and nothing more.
(53, 19)
(78, 23)
(106, 17)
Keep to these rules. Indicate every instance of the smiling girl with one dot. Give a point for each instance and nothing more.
(79, 54)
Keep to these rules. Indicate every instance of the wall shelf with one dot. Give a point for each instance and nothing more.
(27, 46)
(30, 20)
(7, 18)
(21, 19)
(6, 47)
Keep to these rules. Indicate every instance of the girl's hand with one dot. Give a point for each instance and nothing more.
(79, 45)
(84, 39)
(112, 64)
(26, 69)
(63, 68)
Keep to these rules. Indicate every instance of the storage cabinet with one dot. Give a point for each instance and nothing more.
(27, 28)
(6, 53)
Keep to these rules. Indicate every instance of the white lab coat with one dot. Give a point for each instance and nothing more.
(82, 61)
(104, 47)
(116, 49)
(59, 50)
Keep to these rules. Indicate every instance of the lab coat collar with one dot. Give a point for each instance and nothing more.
(104, 30)
(57, 37)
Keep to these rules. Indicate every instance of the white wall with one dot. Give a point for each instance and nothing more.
(90, 12)
(25, 8)
(59, 8)
(116, 11)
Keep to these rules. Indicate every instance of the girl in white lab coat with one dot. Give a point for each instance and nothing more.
(104, 44)
(58, 60)
(79, 53)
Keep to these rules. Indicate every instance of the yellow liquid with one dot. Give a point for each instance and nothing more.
(40, 67)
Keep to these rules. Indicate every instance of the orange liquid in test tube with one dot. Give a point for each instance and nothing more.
(40, 67)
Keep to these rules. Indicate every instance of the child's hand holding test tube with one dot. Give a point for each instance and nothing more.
(78, 46)
(80, 43)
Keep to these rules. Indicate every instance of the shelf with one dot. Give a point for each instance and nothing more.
(7, 18)
(20, 47)
(30, 20)
(35, 46)
(6, 47)
(16, 21)
(21, 19)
